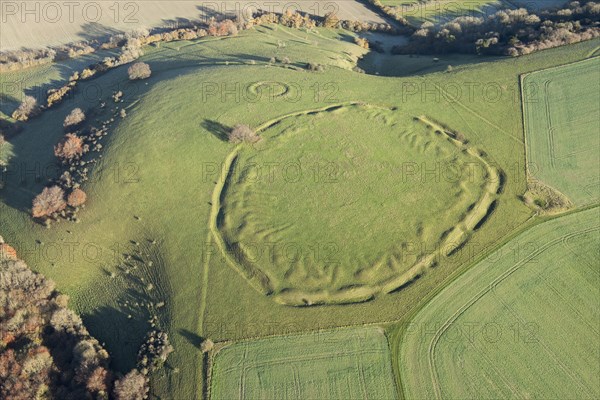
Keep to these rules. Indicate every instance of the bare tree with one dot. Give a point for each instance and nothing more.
(98, 381)
(7, 252)
(243, 133)
(206, 345)
(51, 200)
(27, 109)
(139, 70)
(69, 148)
(76, 117)
(133, 386)
(76, 198)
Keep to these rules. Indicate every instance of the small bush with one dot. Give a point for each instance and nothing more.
(314, 67)
(331, 21)
(243, 133)
(139, 70)
(87, 73)
(154, 351)
(77, 198)
(98, 381)
(27, 109)
(117, 96)
(133, 386)
(76, 117)
(7, 252)
(364, 43)
(57, 95)
(69, 148)
(50, 201)
(224, 28)
(206, 345)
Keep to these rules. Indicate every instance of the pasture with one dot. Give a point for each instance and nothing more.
(338, 238)
(342, 364)
(418, 12)
(440, 11)
(152, 196)
(561, 108)
(522, 323)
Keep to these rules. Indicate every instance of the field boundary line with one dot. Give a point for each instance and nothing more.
(563, 65)
(527, 135)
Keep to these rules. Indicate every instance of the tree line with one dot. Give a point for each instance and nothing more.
(47, 352)
(508, 32)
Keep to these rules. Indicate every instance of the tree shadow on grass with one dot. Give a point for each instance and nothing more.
(217, 129)
(194, 339)
(121, 334)
(8, 103)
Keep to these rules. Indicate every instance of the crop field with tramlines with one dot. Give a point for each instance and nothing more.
(523, 322)
(342, 364)
(294, 205)
(561, 120)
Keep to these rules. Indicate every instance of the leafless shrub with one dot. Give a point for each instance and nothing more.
(77, 198)
(243, 133)
(224, 28)
(70, 147)
(133, 386)
(87, 73)
(50, 201)
(27, 109)
(19, 59)
(154, 351)
(206, 345)
(362, 42)
(75, 117)
(117, 96)
(56, 95)
(331, 21)
(139, 70)
(314, 67)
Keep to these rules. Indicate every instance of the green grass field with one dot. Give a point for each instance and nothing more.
(318, 201)
(152, 193)
(522, 323)
(561, 107)
(440, 11)
(342, 364)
